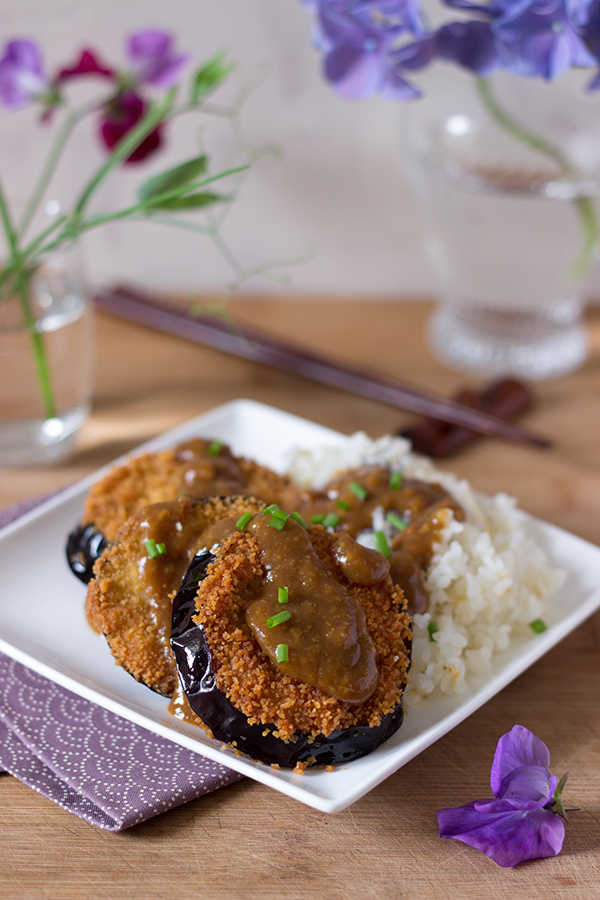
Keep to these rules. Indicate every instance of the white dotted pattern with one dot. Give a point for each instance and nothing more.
(90, 761)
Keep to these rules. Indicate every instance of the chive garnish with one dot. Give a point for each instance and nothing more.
(538, 625)
(243, 521)
(432, 628)
(278, 619)
(153, 549)
(331, 520)
(215, 448)
(282, 594)
(395, 480)
(381, 544)
(358, 490)
(282, 653)
(299, 519)
(395, 520)
(269, 510)
(278, 519)
(342, 504)
(318, 519)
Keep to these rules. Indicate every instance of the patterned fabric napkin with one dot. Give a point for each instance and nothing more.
(90, 761)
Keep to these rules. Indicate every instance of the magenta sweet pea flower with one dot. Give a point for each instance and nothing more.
(87, 64)
(21, 76)
(153, 58)
(120, 116)
(525, 819)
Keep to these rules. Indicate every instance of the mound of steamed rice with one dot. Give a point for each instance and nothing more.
(488, 577)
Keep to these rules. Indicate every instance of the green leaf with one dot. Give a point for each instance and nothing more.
(210, 77)
(188, 201)
(172, 179)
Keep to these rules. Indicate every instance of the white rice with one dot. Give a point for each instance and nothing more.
(488, 577)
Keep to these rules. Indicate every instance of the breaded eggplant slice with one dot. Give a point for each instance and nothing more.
(129, 597)
(197, 468)
(249, 701)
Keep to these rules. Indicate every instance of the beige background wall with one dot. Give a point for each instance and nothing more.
(338, 191)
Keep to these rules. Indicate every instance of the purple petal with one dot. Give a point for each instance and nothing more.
(528, 783)
(509, 837)
(87, 64)
(21, 78)
(353, 72)
(154, 61)
(520, 747)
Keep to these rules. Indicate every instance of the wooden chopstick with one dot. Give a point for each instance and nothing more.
(250, 343)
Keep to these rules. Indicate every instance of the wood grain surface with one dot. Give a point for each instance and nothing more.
(246, 841)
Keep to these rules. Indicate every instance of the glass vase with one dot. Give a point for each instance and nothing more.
(46, 359)
(506, 176)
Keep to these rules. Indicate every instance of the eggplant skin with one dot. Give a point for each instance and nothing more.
(84, 545)
(228, 724)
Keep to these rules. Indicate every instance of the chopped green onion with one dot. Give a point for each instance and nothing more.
(278, 619)
(395, 520)
(381, 544)
(299, 519)
(153, 549)
(282, 653)
(268, 510)
(395, 480)
(317, 520)
(243, 521)
(282, 594)
(278, 519)
(432, 628)
(342, 504)
(358, 490)
(331, 520)
(538, 625)
(215, 448)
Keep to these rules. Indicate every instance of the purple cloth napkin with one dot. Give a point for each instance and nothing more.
(90, 761)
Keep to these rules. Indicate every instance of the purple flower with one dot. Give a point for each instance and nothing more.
(119, 117)
(87, 64)
(525, 818)
(359, 39)
(153, 58)
(530, 38)
(21, 76)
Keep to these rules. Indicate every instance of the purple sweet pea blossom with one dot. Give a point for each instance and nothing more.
(153, 58)
(523, 821)
(21, 75)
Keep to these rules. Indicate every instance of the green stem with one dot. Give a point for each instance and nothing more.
(22, 284)
(584, 205)
(48, 170)
(39, 349)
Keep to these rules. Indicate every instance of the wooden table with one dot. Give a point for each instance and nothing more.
(246, 841)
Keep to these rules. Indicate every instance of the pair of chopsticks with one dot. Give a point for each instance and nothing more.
(260, 347)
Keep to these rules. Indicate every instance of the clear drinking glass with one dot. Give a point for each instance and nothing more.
(46, 361)
(504, 225)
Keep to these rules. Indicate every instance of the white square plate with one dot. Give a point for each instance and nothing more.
(43, 626)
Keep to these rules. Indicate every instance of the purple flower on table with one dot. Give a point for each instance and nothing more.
(154, 59)
(359, 39)
(524, 820)
(21, 74)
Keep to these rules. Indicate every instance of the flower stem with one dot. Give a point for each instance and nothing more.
(22, 284)
(584, 205)
(39, 349)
